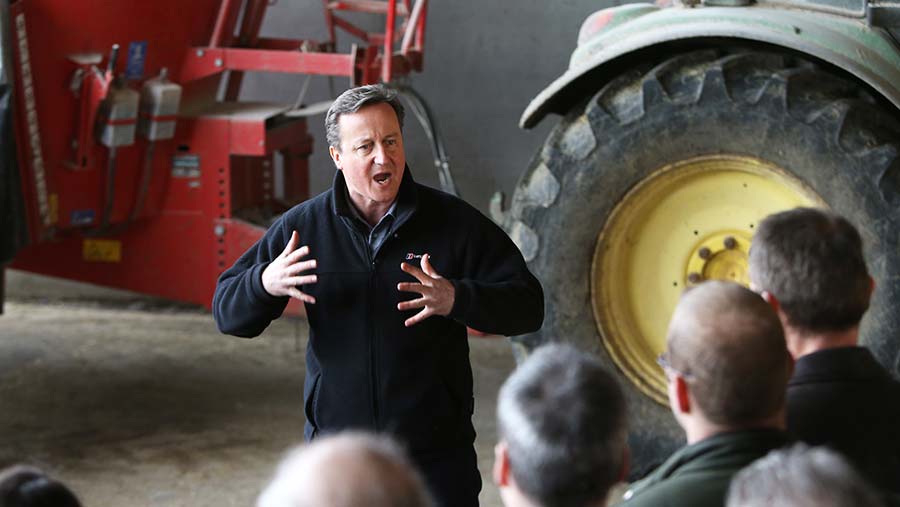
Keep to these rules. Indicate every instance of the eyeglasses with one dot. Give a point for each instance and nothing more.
(663, 361)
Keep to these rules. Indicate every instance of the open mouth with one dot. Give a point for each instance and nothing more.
(382, 178)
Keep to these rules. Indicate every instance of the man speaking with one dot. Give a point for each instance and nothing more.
(391, 272)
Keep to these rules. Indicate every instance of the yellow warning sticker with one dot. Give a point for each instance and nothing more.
(102, 250)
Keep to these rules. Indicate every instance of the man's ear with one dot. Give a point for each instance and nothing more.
(772, 300)
(335, 156)
(682, 396)
(501, 464)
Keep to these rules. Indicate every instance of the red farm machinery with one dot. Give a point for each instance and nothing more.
(129, 160)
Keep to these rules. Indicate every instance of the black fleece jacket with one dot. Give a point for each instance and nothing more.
(364, 368)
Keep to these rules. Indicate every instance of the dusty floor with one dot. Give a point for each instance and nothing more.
(135, 403)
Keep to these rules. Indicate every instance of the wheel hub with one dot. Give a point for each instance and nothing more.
(720, 256)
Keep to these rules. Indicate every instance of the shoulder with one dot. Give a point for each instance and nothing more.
(437, 204)
(310, 209)
(429, 196)
(696, 490)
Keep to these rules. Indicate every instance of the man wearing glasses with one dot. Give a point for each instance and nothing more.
(727, 367)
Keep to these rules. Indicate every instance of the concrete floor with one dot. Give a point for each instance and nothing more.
(135, 402)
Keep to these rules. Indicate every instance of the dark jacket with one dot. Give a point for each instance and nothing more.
(845, 399)
(698, 475)
(364, 368)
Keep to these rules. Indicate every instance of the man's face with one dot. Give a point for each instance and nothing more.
(371, 155)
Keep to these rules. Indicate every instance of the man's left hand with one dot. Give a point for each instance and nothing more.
(438, 294)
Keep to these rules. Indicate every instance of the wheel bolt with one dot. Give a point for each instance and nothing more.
(730, 242)
(694, 278)
(704, 253)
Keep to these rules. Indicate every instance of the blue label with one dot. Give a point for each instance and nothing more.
(137, 55)
(82, 217)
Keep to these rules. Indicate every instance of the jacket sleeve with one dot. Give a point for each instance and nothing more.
(241, 306)
(496, 292)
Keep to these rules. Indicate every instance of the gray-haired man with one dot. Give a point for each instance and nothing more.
(562, 431)
(391, 273)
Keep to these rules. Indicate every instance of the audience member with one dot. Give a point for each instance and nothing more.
(346, 470)
(727, 368)
(809, 265)
(25, 486)
(562, 431)
(801, 477)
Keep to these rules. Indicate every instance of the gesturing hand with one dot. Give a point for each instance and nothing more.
(282, 276)
(438, 294)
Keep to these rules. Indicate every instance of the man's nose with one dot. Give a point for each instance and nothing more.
(380, 154)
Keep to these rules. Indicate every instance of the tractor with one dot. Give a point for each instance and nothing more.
(683, 125)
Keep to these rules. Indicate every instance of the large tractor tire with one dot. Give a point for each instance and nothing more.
(656, 183)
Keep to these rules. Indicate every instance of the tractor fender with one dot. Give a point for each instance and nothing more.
(610, 36)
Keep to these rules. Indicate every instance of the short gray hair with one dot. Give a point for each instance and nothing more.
(562, 416)
(352, 101)
(346, 470)
(801, 476)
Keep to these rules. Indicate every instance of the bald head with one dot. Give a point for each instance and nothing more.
(346, 470)
(730, 344)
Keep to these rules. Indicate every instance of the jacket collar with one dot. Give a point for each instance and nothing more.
(844, 363)
(407, 197)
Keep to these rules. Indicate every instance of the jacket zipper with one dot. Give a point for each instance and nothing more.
(373, 346)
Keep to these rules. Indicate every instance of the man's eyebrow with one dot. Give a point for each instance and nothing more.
(361, 140)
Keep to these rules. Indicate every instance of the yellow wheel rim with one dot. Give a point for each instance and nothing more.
(687, 222)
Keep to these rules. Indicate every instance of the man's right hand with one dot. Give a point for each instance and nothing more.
(283, 275)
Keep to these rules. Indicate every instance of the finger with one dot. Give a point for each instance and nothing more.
(419, 317)
(302, 296)
(412, 287)
(427, 268)
(411, 304)
(297, 254)
(292, 243)
(300, 267)
(414, 271)
(301, 280)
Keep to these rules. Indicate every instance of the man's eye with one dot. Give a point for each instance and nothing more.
(364, 147)
(391, 142)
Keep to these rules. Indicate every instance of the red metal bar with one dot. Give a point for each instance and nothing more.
(288, 61)
(351, 28)
(387, 58)
(225, 21)
(420, 33)
(367, 75)
(368, 6)
(329, 24)
(412, 24)
(285, 44)
(203, 62)
(248, 37)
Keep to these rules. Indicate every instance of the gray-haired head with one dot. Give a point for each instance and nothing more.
(352, 101)
(562, 416)
(25, 486)
(801, 477)
(812, 261)
(346, 470)
(730, 341)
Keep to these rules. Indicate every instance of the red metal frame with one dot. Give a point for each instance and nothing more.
(251, 53)
(218, 170)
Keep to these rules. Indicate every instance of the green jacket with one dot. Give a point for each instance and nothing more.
(698, 475)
